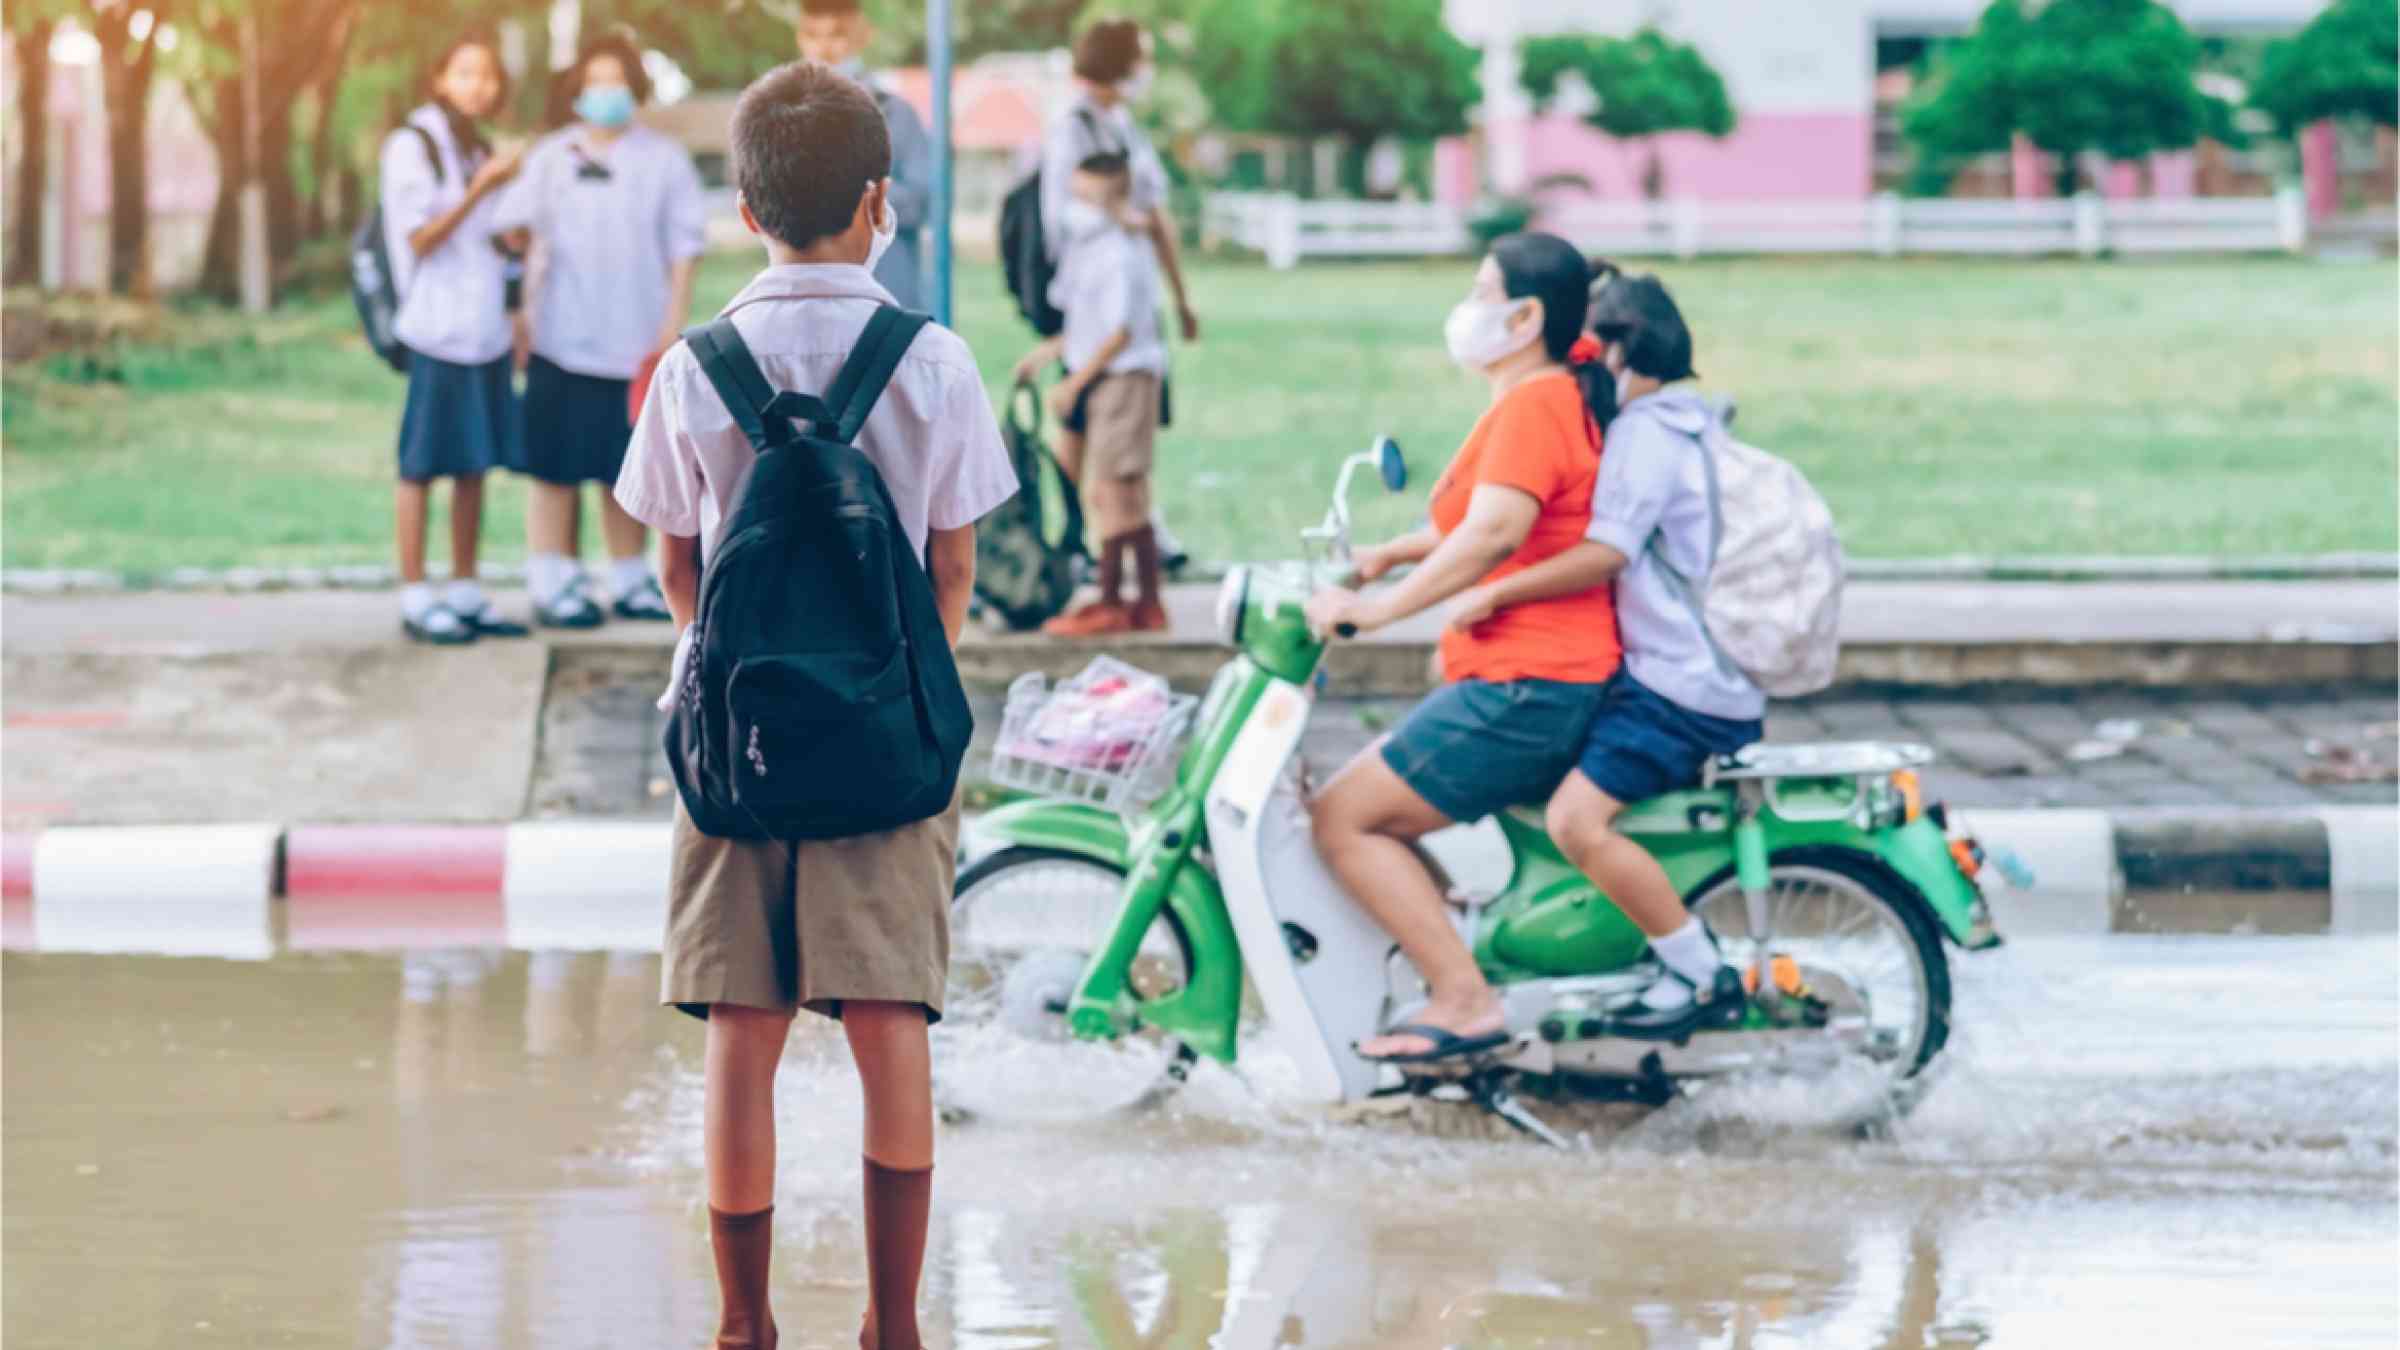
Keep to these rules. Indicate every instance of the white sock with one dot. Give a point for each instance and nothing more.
(1688, 952)
(417, 600)
(547, 575)
(464, 597)
(626, 576)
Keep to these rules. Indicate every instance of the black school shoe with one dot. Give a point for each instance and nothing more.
(487, 622)
(439, 626)
(647, 604)
(570, 609)
(1720, 1005)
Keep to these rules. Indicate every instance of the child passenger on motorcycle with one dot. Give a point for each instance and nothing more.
(1674, 702)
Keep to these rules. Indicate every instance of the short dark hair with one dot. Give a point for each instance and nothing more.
(1108, 51)
(1638, 314)
(607, 44)
(1107, 164)
(807, 142)
(829, 9)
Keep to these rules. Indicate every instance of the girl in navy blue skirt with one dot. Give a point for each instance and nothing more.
(439, 179)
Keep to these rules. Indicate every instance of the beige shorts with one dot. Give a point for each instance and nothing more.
(780, 926)
(1120, 441)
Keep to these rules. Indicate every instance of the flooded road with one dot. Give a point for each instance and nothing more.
(2138, 1142)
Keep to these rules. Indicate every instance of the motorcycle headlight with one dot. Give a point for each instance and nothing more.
(1232, 597)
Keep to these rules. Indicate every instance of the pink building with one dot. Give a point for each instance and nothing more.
(1815, 97)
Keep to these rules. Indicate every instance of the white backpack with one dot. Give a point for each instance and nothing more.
(1771, 605)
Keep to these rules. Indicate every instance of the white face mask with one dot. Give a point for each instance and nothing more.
(1478, 335)
(886, 230)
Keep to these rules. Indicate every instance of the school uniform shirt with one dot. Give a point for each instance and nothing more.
(1108, 282)
(452, 300)
(933, 435)
(1653, 489)
(1083, 130)
(610, 222)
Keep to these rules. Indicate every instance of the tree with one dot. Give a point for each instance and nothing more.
(1359, 70)
(1644, 85)
(300, 45)
(128, 39)
(31, 25)
(2344, 64)
(2113, 76)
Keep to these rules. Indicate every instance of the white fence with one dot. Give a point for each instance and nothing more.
(1287, 229)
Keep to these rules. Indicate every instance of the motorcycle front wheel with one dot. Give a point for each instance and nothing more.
(1023, 925)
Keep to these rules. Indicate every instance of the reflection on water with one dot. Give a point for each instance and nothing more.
(2142, 1144)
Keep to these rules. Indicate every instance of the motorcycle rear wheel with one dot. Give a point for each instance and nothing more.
(1023, 924)
(1840, 910)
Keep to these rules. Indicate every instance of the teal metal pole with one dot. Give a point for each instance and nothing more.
(937, 44)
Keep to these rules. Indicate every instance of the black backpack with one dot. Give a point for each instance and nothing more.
(1025, 252)
(821, 699)
(1026, 549)
(373, 288)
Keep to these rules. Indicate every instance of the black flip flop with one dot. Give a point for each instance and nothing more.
(1446, 1044)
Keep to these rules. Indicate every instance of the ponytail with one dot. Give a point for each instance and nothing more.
(1547, 268)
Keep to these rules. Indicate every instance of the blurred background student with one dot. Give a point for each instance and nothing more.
(439, 176)
(617, 226)
(836, 32)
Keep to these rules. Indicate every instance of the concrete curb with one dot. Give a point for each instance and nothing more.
(248, 891)
(2366, 566)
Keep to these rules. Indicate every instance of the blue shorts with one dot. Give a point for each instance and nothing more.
(1475, 747)
(1642, 745)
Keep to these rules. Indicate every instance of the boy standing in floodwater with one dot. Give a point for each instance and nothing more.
(853, 928)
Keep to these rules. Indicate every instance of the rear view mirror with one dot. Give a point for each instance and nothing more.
(1393, 467)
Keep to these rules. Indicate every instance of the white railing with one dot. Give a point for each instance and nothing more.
(1287, 229)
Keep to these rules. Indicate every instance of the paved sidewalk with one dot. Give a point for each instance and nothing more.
(599, 740)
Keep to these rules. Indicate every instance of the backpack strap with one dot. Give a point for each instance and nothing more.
(433, 153)
(764, 414)
(864, 376)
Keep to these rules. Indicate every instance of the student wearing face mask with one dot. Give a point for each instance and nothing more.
(617, 225)
(1521, 690)
(836, 33)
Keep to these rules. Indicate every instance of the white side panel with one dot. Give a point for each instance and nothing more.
(174, 890)
(1268, 866)
(586, 887)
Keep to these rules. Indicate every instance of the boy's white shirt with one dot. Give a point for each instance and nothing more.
(1108, 282)
(933, 435)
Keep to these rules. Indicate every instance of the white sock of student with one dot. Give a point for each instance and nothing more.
(465, 598)
(547, 576)
(628, 576)
(417, 600)
(1688, 952)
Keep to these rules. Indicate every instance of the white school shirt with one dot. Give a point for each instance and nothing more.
(933, 435)
(607, 244)
(453, 300)
(1109, 281)
(1071, 140)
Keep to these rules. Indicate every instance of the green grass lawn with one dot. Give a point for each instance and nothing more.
(1945, 407)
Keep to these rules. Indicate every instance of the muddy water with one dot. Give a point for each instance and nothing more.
(2139, 1143)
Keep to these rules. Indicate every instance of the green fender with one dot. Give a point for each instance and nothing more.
(1920, 852)
(1205, 1013)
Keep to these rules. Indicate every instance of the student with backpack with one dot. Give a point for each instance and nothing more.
(1670, 527)
(618, 223)
(439, 177)
(815, 461)
(837, 33)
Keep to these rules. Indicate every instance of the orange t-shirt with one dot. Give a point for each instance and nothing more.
(1538, 440)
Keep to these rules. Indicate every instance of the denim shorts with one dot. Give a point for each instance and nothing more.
(1642, 744)
(1475, 747)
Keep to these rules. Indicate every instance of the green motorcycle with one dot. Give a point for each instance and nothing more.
(1101, 947)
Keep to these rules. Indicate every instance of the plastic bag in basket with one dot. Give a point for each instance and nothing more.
(1101, 719)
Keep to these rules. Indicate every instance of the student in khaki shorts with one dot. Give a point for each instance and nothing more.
(1109, 405)
(855, 928)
